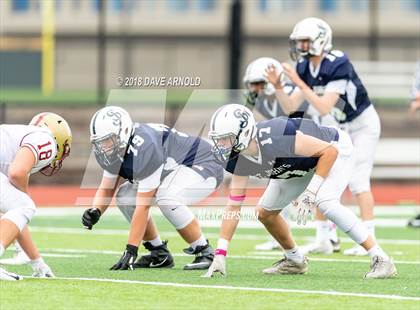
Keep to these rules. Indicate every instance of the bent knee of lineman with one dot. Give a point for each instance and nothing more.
(177, 213)
(22, 215)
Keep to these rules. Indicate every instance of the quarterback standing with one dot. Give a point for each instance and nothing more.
(26, 149)
(327, 80)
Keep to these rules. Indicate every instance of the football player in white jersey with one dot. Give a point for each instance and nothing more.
(327, 80)
(40, 146)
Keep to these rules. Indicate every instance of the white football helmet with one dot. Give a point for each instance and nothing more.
(255, 72)
(110, 130)
(236, 123)
(319, 34)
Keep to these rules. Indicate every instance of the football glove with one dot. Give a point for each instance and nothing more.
(41, 269)
(305, 205)
(218, 265)
(128, 259)
(91, 217)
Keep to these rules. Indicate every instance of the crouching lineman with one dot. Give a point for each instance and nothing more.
(306, 163)
(25, 149)
(159, 163)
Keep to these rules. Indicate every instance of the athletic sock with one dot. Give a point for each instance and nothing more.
(376, 250)
(370, 225)
(322, 231)
(155, 242)
(199, 242)
(332, 232)
(1, 250)
(294, 254)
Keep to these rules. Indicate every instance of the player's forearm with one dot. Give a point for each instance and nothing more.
(103, 198)
(322, 106)
(285, 101)
(138, 225)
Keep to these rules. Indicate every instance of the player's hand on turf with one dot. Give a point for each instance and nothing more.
(91, 217)
(42, 270)
(218, 265)
(305, 205)
(127, 260)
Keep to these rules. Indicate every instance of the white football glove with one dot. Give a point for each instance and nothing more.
(41, 270)
(305, 206)
(218, 265)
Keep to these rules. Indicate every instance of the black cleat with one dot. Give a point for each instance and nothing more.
(159, 257)
(414, 222)
(203, 257)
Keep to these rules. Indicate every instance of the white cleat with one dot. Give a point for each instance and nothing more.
(381, 269)
(19, 258)
(325, 248)
(268, 246)
(287, 266)
(9, 276)
(356, 251)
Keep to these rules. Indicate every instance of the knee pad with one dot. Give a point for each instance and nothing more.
(20, 216)
(178, 215)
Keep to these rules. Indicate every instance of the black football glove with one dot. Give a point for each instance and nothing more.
(128, 259)
(91, 217)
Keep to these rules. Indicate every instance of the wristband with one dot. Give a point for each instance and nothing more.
(237, 198)
(132, 248)
(220, 252)
(315, 183)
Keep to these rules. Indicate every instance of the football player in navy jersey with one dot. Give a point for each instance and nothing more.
(161, 166)
(327, 80)
(261, 99)
(306, 164)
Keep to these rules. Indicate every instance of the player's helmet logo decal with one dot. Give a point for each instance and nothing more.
(115, 116)
(243, 116)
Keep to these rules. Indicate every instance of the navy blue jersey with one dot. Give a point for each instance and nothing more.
(154, 145)
(336, 66)
(276, 142)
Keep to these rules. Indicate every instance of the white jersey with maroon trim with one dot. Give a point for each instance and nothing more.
(39, 140)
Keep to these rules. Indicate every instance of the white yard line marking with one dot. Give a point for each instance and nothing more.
(254, 255)
(242, 288)
(238, 236)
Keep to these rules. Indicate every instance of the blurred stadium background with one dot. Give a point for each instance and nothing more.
(65, 56)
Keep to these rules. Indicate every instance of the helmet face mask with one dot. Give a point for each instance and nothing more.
(109, 149)
(110, 132)
(56, 165)
(222, 151)
(300, 49)
(233, 128)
